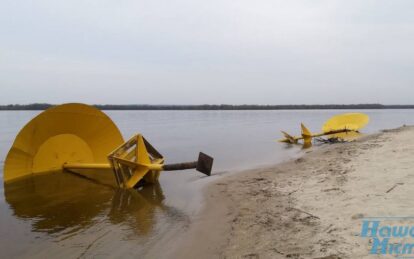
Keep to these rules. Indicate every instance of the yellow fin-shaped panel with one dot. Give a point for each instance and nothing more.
(351, 121)
(305, 130)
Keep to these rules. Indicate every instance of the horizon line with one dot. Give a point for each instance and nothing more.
(43, 106)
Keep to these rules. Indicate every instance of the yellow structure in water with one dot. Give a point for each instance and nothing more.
(80, 137)
(342, 126)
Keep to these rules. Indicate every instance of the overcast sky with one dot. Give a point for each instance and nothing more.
(216, 51)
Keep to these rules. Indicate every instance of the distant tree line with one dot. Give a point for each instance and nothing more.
(43, 106)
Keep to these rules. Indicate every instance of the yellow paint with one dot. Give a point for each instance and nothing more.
(66, 133)
(343, 126)
(61, 149)
(306, 135)
(133, 162)
(85, 166)
(289, 139)
(141, 151)
(78, 138)
(350, 121)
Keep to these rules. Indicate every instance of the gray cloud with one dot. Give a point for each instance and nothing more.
(193, 52)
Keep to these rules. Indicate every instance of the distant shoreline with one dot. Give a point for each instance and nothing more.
(224, 107)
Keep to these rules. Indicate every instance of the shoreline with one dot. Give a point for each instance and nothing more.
(309, 207)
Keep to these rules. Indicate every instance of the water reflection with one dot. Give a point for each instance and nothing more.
(90, 210)
(138, 208)
(62, 203)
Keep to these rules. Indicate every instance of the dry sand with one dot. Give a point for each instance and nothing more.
(307, 208)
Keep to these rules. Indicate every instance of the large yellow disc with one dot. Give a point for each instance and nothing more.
(68, 133)
(351, 121)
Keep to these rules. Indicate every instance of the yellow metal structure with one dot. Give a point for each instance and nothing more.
(306, 135)
(78, 138)
(351, 121)
(136, 160)
(342, 126)
(68, 133)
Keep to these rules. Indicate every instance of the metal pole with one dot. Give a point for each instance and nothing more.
(86, 166)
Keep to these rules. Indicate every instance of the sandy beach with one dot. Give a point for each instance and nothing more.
(311, 207)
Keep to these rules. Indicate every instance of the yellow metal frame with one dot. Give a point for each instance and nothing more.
(136, 161)
(77, 138)
(338, 126)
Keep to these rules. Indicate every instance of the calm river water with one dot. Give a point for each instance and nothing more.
(62, 215)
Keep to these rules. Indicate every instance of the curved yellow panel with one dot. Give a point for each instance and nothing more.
(68, 133)
(351, 121)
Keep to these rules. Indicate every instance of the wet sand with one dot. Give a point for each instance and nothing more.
(309, 207)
